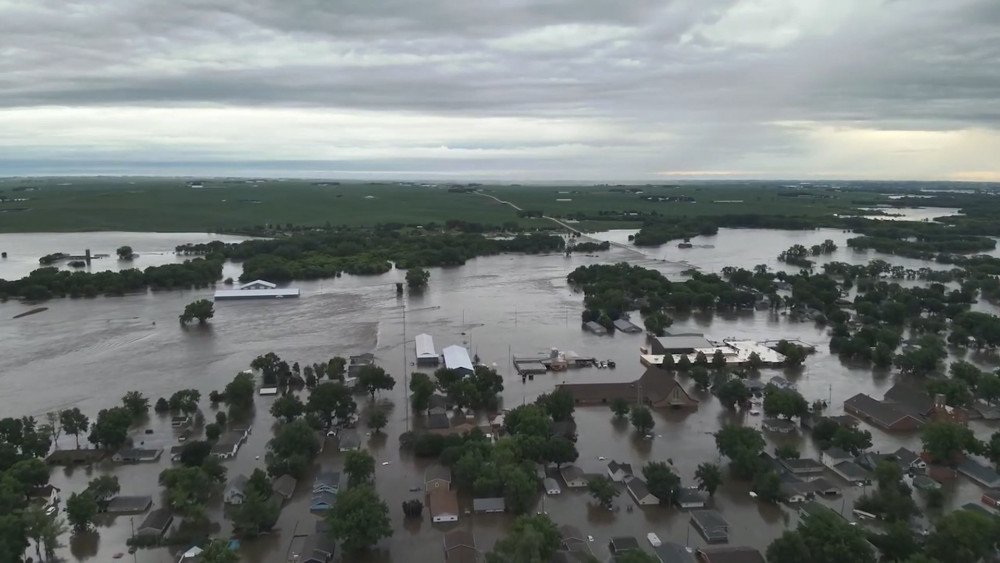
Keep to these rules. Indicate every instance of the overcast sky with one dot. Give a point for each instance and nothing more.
(509, 90)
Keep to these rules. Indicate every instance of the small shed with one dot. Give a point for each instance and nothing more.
(551, 486)
(711, 525)
(489, 505)
(426, 355)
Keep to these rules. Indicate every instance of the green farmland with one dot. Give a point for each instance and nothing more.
(171, 204)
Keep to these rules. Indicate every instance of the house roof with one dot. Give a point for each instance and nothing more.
(261, 283)
(438, 421)
(319, 544)
(687, 495)
(624, 543)
(425, 346)
(327, 479)
(614, 466)
(906, 457)
(885, 414)
(129, 504)
(910, 398)
(496, 504)
(571, 472)
(823, 484)
(438, 400)
(437, 471)
(729, 554)
(323, 498)
(551, 484)
(637, 487)
(670, 552)
(656, 384)
(851, 470)
(442, 501)
(682, 342)
(710, 520)
(595, 327)
(979, 472)
(837, 453)
(457, 357)
(626, 325)
(284, 485)
(457, 538)
(790, 488)
(802, 465)
(348, 438)
(158, 519)
(238, 483)
(778, 424)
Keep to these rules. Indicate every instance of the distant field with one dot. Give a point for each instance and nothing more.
(169, 204)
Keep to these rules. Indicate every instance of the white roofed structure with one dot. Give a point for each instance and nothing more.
(457, 358)
(425, 349)
(259, 284)
(257, 289)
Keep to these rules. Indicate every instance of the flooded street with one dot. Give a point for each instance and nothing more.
(88, 352)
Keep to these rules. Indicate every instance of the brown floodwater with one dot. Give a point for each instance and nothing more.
(89, 352)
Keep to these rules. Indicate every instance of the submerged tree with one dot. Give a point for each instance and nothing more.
(202, 309)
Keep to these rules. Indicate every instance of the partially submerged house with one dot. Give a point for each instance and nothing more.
(236, 490)
(490, 505)
(639, 492)
(456, 358)
(284, 486)
(884, 415)
(779, 425)
(426, 355)
(460, 547)
(123, 504)
(136, 455)
(979, 473)
(674, 344)
(729, 554)
(573, 476)
(230, 442)
(711, 525)
(656, 388)
(618, 472)
(595, 327)
(803, 468)
(626, 326)
(156, 523)
(623, 544)
(437, 476)
(257, 289)
(348, 439)
(443, 505)
(690, 498)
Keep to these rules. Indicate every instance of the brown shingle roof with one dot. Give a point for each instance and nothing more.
(442, 501)
(656, 386)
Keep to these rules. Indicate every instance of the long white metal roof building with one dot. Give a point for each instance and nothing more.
(457, 357)
(425, 348)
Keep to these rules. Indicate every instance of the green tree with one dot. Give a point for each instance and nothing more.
(374, 378)
(202, 309)
(111, 429)
(255, 515)
(125, 253)
(528, 420)
(136, 404)
(684, 363)
(718, 359)
(377, 419)
(359, 465)
(733, 392)
(239, 392)
(823, 537)
(530, 539)
(634, 556)
(335, 368)
(767, 485)
(742, 445)
(329, 400)
(785, 402)
(897, 543)
(212, 432)
(359, 518)
(700, 376)
(287, 407)
(421, 389)
(292, 449)
(754, 362)
(194, 453)
(559, 404)
(74, 423)
(80, 511)
(417, 278)
(620, 407)
(662, 481)
(642, 419)
(185, 401)
(104, 487)
(786, 451)
(559, 450)
(188, 489)
(603, 490)
(709, 477)
(217, 551)
(963, 535)
(993, 448)
(519, 488)
(945, 442)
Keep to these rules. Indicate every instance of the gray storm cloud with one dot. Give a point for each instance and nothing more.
(510, 89)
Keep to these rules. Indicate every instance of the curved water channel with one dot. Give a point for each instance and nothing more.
(89, 352)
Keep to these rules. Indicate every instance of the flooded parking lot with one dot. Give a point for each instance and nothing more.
(89, 352)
